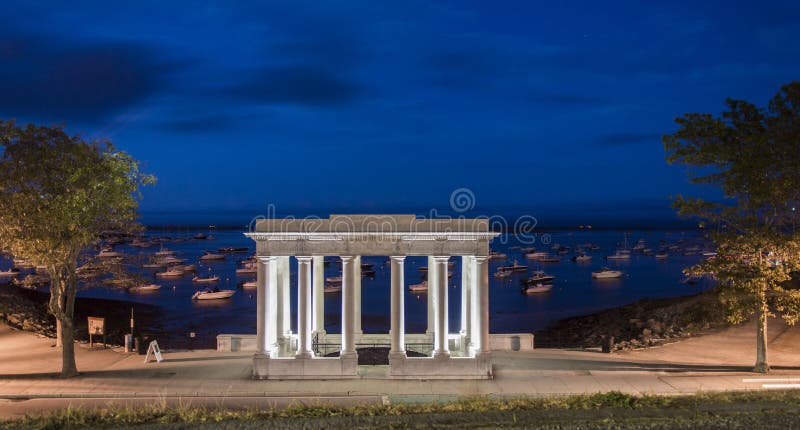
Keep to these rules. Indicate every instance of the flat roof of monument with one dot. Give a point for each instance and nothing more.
(373, 223)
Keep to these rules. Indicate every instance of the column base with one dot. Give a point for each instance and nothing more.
(261, 365)
(441, 354)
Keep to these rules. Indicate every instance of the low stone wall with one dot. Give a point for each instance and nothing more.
(511, 342)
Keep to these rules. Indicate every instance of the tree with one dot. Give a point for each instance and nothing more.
(58, 194)
(753, 155)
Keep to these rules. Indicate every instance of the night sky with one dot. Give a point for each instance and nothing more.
(545, 107)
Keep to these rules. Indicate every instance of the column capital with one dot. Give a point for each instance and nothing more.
(347, 258)
(303, 258)
(398, 258)
(441, 258)
(480, 258)
(266, 258)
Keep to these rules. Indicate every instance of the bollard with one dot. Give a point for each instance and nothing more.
(129, 346)
(608, 344)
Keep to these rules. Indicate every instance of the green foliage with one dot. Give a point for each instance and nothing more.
(58, 194)
(753, 156)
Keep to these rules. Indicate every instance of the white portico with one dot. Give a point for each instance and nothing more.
(281, 354)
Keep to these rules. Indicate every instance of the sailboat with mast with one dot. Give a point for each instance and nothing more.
(623, 253)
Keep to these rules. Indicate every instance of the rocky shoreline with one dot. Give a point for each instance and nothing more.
(647, 322)
(26, 309)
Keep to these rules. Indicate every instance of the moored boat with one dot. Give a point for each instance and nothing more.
(212, 256)
(210, 279)
(606, 273)
(213, 295)
(170, 273)
(144, 288)
(540, 277)
(516, 267)
(619, 255)
(583, 258)
(332, 288)
(419, 288)
(538, 288)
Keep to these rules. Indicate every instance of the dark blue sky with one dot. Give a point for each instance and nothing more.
(369, 106)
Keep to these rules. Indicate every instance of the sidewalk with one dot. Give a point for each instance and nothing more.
(719, 361)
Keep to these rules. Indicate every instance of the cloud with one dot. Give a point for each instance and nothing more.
(199, 124)
(627, 138)
(48, 77)
(306, 84)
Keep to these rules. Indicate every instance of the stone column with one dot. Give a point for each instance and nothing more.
(318, 305)
(397, 331)
(431, 279)
(303, 307)
(357, 294)
(280, 274)
(480, 329)
(265, 268)
(348, 308)
(466, 283)
(440, 308)
(286, 287)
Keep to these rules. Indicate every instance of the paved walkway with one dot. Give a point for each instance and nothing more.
(719, 361)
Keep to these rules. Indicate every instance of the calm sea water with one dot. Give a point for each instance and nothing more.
(575, 293)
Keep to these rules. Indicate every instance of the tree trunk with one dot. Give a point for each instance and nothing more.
(762, 364)
(62, 306)
(68, 367)
(58, 333)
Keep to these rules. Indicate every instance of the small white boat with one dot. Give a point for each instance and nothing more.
(170, 273)
(121, 281)
(209, 280)
(619, 255)
(334, 280)
(538, 288)
(213, 295)
(250, 269)
(249, 284)
(171, 260)
(209, 256)
(515, 268)
(144, 288)
(606, 273)
(536, 255)
(164, 253)
(154, 265)
(539, 277)
(662, 256)
(108, 254)
(502, 274)
(332, 288)
(583, 258)
(419, 288)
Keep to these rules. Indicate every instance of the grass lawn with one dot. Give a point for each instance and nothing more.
(736, 410)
